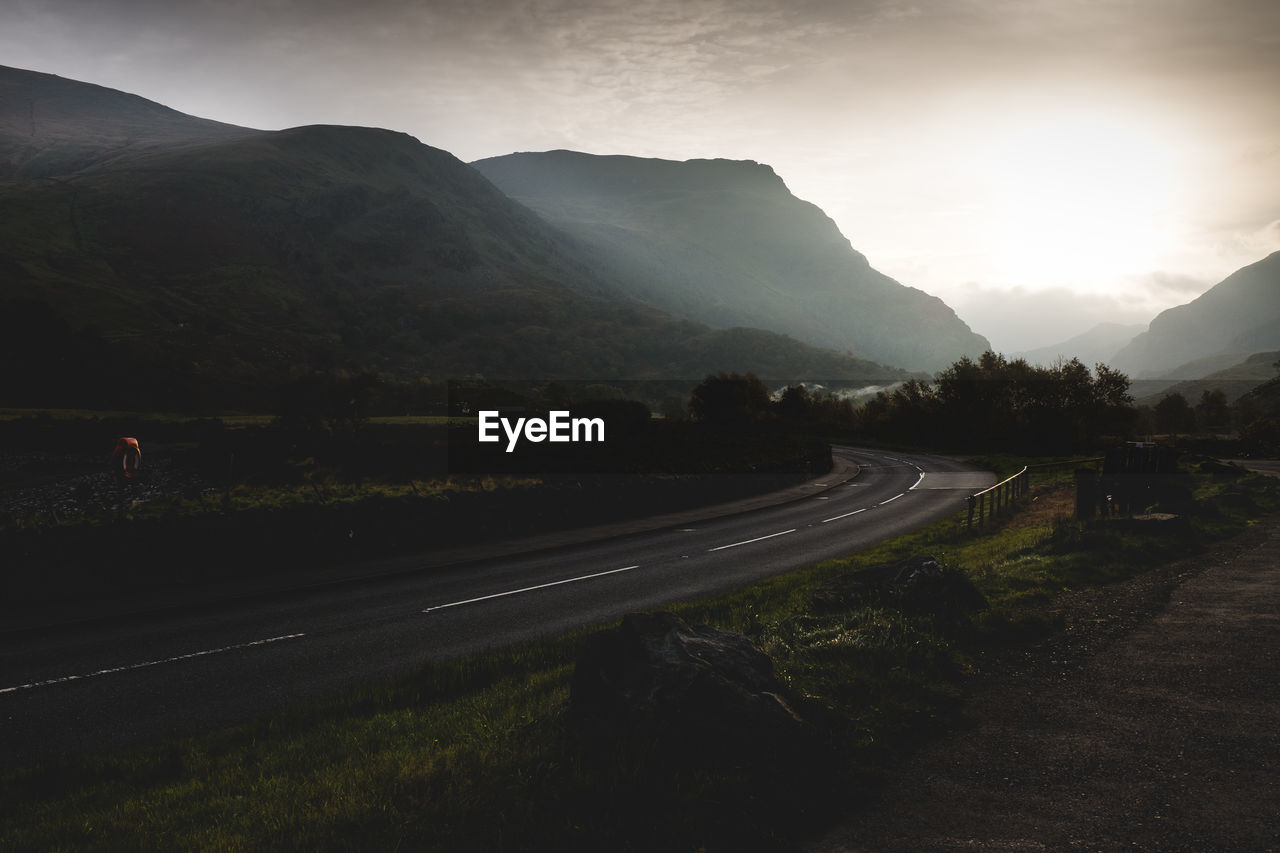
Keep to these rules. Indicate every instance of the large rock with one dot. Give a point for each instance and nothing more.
(918, 585)
(656, 680)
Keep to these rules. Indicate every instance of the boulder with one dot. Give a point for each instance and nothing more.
(658, 681)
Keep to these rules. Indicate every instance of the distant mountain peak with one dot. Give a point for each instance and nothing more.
(566, 172)
(1098, 344)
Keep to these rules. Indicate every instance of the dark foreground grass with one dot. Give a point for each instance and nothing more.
(480, 754)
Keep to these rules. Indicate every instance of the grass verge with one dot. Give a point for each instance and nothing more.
(479, 754)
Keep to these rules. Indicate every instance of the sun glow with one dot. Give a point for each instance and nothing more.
(1075, 202)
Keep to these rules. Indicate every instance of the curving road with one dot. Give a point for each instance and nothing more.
(133, 681)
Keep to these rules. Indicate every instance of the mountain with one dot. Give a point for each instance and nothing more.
(1098, 345)
(155, 256)
(726, 243)
(1264, 400)
(1235, 318)
(52, 126)
(1235, 381)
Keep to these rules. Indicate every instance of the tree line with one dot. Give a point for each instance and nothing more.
(1007, 403)
(991, 402)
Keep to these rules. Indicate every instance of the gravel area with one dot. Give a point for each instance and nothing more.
(1152, 723)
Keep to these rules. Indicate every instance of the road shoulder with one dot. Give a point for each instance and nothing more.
(1150, 724)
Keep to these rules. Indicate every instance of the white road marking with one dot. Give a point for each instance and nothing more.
(531, 588)
(846, 515)
(918, 481)
(891, 500)
(132, 666)
(749, 541)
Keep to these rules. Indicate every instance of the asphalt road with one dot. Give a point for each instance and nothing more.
(131, 681)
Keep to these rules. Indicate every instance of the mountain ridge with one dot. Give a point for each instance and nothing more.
(51, 125)
(1093, 346)
(725, 242)
(189, 254)
(1233, 319)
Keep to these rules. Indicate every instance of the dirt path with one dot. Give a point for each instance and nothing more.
(1152, 724)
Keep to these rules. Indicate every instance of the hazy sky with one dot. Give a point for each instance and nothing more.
(1039, 164)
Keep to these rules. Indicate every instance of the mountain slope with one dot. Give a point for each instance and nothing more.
(207, 261)
(53, 126)
(725, 242)
(1235, 381)
(1236, 317)
(1098, 345)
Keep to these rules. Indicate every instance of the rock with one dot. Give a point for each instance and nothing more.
(1220, 468)
(655, 680)
(917, 585)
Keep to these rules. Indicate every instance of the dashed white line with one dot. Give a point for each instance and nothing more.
(918, 481)
(749, 541)
(530, 588)
(145, 664)
(891, 500)
(846, 515)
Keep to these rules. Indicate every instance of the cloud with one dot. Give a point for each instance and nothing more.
(1172, 283)
(1261, 241)
(878, 111)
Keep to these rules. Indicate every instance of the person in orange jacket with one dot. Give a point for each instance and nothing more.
(132, 456)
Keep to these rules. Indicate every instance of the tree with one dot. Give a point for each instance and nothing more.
(1212, 412)
(1174, 414)
(794, 404)
(994, 401)
(729, 399)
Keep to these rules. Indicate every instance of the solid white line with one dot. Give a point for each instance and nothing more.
(918, 479)
(131, 666)
(530, 588)
(749, 541)
(891, 500)
(846, 515)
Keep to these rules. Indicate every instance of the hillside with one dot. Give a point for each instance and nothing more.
(726, 243)
(206, 263)
(1235, 318)
(1098, 345)
(1235, 381)
(51, 126)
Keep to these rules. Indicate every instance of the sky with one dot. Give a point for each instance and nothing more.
(1040, 165)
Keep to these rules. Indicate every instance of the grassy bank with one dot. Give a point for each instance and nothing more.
(480, 754)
